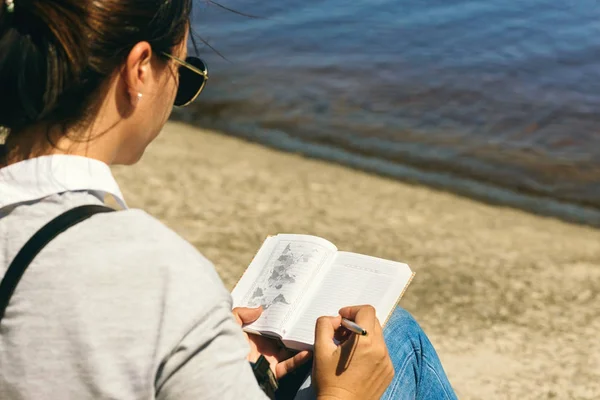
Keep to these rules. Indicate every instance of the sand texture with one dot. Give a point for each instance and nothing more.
(510, 300)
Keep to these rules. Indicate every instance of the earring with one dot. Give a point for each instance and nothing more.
(139, 97)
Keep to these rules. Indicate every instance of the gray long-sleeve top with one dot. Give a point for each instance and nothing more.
(117, 307)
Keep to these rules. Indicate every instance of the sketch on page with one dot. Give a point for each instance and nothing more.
(288, 270)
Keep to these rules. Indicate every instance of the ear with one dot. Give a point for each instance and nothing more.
(138, 71)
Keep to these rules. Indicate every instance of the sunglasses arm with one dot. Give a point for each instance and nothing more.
(187, 65)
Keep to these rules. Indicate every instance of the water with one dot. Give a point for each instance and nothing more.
(496, 99)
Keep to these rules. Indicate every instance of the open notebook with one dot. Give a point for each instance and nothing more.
(298, 278)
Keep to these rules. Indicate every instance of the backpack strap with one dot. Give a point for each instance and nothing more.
(37, 242)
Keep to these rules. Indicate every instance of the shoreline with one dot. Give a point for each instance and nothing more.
(508, 298)
(480, 190)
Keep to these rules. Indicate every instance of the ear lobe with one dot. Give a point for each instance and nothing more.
(135, 97)
(137, 71)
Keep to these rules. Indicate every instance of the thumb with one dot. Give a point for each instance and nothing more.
(247, 315)
(325, 332)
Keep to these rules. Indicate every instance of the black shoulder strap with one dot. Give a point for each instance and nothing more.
(37, 242)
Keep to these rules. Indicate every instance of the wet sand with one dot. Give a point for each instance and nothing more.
(510, 300)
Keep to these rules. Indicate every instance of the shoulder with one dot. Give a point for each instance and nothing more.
(136, 233)
(140, 270)
(135, 227)
(137, 247)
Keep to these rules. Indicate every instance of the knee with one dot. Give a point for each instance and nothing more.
(402, 320)
(405, 340)
(415, 361)
(402, 330)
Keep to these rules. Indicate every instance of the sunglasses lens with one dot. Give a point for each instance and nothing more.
(190, 83)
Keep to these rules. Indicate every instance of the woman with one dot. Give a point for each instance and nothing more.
(119, 306)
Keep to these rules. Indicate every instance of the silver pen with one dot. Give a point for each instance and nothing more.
(353, 327)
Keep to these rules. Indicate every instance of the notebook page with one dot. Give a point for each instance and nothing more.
(352, 279)
(278, 276)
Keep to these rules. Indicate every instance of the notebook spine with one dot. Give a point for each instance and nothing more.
(399, 298)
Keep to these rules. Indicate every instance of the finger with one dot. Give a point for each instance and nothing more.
(266, 345)
(289, 365)
(247, 315)
(342, 334)
(364, 316)
(325, 332)
(378, 328)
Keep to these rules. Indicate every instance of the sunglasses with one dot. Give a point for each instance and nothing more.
(193, 75)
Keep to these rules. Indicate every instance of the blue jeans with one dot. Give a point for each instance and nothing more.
(419, 372)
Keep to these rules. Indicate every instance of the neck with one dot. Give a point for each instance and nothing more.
(42, 140)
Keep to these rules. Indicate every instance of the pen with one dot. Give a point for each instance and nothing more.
(353, 327)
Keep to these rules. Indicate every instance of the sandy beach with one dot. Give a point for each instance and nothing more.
(509, 299)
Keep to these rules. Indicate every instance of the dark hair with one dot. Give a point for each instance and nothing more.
(56, 54)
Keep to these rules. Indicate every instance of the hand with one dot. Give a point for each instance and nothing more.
(282, 361)
(358, 368)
